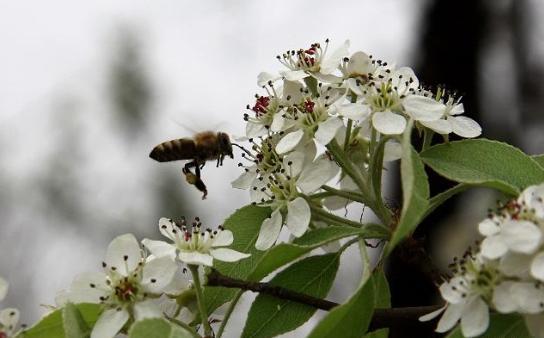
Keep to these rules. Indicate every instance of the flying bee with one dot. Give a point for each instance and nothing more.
(203, 147)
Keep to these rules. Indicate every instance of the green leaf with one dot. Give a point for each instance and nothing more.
(74, 324)
(157, 328)
(270, 316)
(351, 319)
(245, 224)
(382, 300)
(539, 159)
(51, 326)
(415, 195)
(500, 326)
(484, 162)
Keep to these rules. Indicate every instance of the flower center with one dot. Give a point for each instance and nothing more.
(126, 291)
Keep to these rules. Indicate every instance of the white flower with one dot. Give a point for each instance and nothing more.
(466, 295)
(194, 246)
(449, 119)
(532, 200)
(315, 62)
(519, 236)
(523, 297)
(126, 286)
(282, 194)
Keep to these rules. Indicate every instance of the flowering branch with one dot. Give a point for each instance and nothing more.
(382, 318)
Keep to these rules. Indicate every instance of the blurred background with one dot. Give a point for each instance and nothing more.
(88, 88)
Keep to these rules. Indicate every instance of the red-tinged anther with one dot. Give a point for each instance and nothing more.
(309, 106)
(261, 104)
(187, 236)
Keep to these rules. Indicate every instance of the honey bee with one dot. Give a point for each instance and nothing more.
(204, 146)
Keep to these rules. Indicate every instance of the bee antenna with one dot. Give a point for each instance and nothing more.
(244, 149)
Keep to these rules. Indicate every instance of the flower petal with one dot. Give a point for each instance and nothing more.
(450, 317)
(196, 258)
(359, 64)
(124, 253)
(294, 75)
(432, 315)
(457, 109)
(450, 290)
(158, 273)
(465, 126)
(537, 266)
(521, 236)
(327, 129)
(316, 174)
(278, 122)
(355, 111)
(289, 141)
(270, 230)
(292, 91)
(404, 79)
(493, 247)
(294, 162)
(109, 323)
(89, 287)
(228, 255)
(388, 123)
(298, 216)
(441, 126)
(9, 318)
(223, 238)
(422, 108)
(489, 227)
(255, 129)
(332, 61)
(167, 227)
(147, 309)
(245, 180)
(529, 297)
(3, 288)
(160, 248)
(475, 318)
(263, 78)
(515, 265)
(503, 299)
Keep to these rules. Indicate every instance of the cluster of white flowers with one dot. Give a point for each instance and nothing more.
(132, 282)
(507, 273)
(314, 101)
(9, 316)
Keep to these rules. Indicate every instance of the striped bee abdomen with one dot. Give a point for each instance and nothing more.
(174, 150)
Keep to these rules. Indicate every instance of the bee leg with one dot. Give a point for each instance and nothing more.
(195, 180)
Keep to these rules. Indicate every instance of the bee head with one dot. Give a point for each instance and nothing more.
(224, 144)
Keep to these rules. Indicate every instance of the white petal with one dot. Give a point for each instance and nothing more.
(228, 255)
(465, 126)
(316, 174)
(89, 287)
(388, 123)
(503, 299)
(9, 318)
(195, 258)
(289, 141)
(442, 127)
(3, 288)
(529, 297)
(327, 129)
(355, 86)
(147, 309)
(401, 79)
(223, 238)
(255, 129)
(392, 151)
(255, 192)
(423, 108)
(521, 236)
(158, 273)
(179, 283)
(263, 78)
(298, 216)
(292, 92)
(278, 122)
(450, 317)
(489, 227)
(294, 162)
(109, 323)
(493, 247)
(327, 78)
(124, 253)
(450, 290)
(355, 111)
(332, 61)
(294, 75)
(457, 109)
(515, 265)
(245, 180)
(359, 64)
(160, 248)
(432, 315)
(166, 227)
(270, 230)
(537, 266)
(475, 318)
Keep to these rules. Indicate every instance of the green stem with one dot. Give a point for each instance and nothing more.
(199, 297)
(231, 307)
(348, 134)
(184, 326)
(347, 166)
(350, 195)
(427, 139)
(321, 195)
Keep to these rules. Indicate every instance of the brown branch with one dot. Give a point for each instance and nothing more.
(382, 318)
